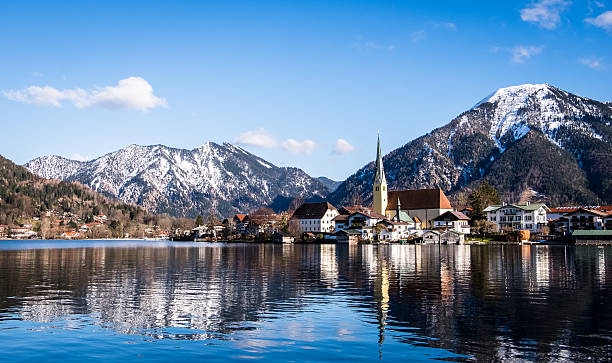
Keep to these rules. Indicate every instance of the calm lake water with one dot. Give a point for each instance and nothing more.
(163, 301)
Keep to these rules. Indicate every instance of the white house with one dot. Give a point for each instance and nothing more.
(528, 216)
(316, 217)
(394, 230)
(452, 220)
(586, 219)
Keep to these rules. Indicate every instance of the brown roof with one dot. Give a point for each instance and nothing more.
(312, 210)
(592, 211)
(370, 214)
(352, 209)
(452, 216)
(240, 217)
(341, 218)
(418, 199)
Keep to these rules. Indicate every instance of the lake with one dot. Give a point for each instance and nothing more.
(164, 301)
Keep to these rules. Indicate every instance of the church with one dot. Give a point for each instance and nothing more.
(422, 205)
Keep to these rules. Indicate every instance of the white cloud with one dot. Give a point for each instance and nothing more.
(447, 25)
(604, 20)
(79, 157)
(545, 13)
(299, 147)
(592, 62)
(259, 138)
(417, 36)
(130, 93)
(521, 53)
(343, 147)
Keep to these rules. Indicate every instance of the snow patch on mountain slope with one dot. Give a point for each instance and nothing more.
(187, 181)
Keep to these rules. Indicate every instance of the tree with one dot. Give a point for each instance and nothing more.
(116, 228)
(481, 198)
(199, 221)
(294, 229)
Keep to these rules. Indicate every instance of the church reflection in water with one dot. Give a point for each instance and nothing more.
(481, 301)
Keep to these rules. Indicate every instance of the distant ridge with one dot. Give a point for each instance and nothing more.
(220, 179)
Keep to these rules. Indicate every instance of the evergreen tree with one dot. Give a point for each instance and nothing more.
(481, 198)
(199, 220)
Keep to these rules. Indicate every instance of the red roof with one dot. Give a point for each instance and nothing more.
(418, 199)
(240, 217)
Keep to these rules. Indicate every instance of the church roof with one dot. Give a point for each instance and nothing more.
(418, 199)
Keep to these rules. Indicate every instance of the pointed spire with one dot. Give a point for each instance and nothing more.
(380, 171)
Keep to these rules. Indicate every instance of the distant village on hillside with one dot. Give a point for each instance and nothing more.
(396, 216)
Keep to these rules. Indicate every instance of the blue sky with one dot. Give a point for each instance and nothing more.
(285, 80)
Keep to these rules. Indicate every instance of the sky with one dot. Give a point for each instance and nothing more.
(305, 84)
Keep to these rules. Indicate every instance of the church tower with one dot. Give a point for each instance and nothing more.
(379, 191)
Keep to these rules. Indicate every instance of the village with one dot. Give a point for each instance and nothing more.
(399, 216)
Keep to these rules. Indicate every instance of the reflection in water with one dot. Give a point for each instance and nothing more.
(480, 302)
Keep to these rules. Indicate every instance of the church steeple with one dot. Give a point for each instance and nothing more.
(380, 168)
(379, 190)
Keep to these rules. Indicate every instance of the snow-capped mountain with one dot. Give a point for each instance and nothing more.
(222, 179)
(531, 139)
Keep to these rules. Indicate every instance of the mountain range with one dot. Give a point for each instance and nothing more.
(223, 179)
(532, 142)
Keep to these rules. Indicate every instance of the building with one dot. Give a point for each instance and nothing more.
(453, 220)
(431, 237)
(592, 237)
(341, 222)
(426, 204)
(350, 236)
(452, 236)
(281, 237)
(582, 218)
(316, 217)
(394, 230)
(530, 216)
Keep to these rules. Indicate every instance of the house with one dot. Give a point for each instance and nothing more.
(348, 236)
(592, 237)
(431, 236)
(452, 236)
(453, 220)
(70, 234)
(316, 217)
(100, 218)
(467, 211)
(559, 225)
(395, 230)
(241, 221)
(608, 221)
(365, 218)
(341, 222)
(583, 218)
(529, 216)
(426, 204)
(281, 237)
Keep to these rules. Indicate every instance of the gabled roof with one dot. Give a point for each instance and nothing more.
(589, 211)
(348, 231)
(418, 199)
(452, 216)
(240, 217)
(312, 210)
(369, 214)
(527, 207)
(350, 209)
(341, 218)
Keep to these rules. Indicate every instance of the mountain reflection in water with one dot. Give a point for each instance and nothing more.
(323, 301)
